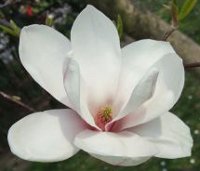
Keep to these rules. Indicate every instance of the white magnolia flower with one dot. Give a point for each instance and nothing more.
(119, 98)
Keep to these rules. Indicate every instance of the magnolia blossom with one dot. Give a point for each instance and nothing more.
(119, 99)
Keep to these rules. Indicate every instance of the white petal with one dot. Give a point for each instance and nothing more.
(141, 93)
(122, 161)
(45, 136)
(96, 48)
(42, 51)
(124, 148)
(172, 74)
(76, 91)
(169, 134)
(137, 58)
(137, 63)
(71, 81)
(161, 101)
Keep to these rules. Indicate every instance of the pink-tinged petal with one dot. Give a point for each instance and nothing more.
(165, 94)
(124, 148)
(96, 48)
(46, 136)
(137, 60)
(42, 51)
(171, 136)
(76, 91)
(141, 93)
(140, 57)
(169, 85)
(161, 101)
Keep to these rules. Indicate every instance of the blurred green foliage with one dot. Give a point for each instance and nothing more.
(190, 25)
(119, 26)
(186, 8)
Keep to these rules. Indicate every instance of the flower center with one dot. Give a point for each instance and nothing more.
(103, 117)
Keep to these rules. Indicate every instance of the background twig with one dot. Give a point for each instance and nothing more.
(192, 65)
(168, 33)
(16, 101)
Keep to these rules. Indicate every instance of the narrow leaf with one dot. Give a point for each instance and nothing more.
(8, 30)
(15, 27)
(119, 26)
(186, 8)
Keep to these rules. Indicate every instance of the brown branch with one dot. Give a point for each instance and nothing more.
(192, 65)
(168, 33)
(174, 23)
(16, 101)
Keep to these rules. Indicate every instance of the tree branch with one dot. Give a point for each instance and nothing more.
(192, 65)
(16, 101)
(168, 33)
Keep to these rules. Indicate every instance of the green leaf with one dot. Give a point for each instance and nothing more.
(15, 28)
(186, 8)
(120, 26)
(49, 20)
(8, 30)
(11, 28)
(175, 2)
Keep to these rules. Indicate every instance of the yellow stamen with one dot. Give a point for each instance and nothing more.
(107, 113)
(103, 117)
